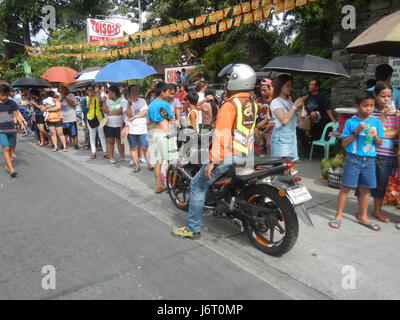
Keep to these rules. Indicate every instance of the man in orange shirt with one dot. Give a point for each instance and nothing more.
(232, 142)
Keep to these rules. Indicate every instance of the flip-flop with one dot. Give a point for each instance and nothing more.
(335, 221)
(380, 219)
(136, 170)
(370, 225)
(163, 190)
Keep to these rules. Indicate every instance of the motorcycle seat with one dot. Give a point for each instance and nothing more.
(259, 172)
(270, 161)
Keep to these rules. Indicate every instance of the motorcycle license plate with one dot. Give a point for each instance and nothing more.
(298, 195)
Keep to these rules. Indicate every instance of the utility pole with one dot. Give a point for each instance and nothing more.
(140, 27)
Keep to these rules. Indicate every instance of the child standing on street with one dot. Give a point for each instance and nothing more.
(8, 110)
(385, 111)
(361, 135)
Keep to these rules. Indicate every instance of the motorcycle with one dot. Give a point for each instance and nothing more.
(265, 200)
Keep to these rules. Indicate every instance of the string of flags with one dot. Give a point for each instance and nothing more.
(244, 13)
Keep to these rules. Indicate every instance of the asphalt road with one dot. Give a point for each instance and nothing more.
(107, 234)
(101, 244)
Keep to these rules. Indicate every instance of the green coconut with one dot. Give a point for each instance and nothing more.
(323, 161)
(324, 173)
(327, 165)
(336, 162)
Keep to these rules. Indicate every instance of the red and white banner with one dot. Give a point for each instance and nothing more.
(102, 30)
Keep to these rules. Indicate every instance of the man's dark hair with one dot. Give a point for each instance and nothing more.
(370, 83)
(35, 92)
(160, 87)
(4, 88)
(178, 72)
(183, 70)
(50, 94)
(383, 72)
(171, 86)
(210, 92)
(193, 97)
(364, 95)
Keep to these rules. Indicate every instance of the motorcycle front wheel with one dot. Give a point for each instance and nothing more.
(275, 233)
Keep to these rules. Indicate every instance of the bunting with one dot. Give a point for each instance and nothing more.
(278, 7)
(246, 13)
(290, 5)
(300, 3)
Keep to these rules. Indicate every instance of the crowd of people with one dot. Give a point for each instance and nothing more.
(109, 116)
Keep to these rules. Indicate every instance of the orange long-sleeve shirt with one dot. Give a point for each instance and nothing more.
(223, 138)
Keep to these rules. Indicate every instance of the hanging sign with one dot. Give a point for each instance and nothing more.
(102, 30)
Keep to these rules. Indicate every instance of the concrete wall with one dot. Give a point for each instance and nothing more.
(360, 67)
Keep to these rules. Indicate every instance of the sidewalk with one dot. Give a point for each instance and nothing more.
(316, 268)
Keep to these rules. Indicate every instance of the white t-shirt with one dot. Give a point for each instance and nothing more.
(137, 126)
(49, 101)
(201, 96)
(103, 95)
(113, 121)
(279, 103)
(68, 111)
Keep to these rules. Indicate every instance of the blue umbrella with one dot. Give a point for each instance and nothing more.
(123, 70)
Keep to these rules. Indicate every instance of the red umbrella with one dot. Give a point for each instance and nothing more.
(60, 74)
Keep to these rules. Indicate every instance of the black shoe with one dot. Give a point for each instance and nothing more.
(14, 174)
(76, 147)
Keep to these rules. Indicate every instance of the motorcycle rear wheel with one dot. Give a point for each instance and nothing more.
(261, 234)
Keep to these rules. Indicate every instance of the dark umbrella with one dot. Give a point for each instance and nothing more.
(382, 38)
(306, 64)
(30, 83)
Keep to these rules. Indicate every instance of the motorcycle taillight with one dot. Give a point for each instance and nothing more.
(290, 165)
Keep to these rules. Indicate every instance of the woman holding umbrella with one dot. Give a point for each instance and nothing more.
(284, 114)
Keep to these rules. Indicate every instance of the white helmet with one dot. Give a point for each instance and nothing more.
(241, 77)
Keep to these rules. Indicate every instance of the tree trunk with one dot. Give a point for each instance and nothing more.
(27, 34)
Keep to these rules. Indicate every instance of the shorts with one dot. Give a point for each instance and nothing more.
(359, 172)
(70, 129)
(7, 139)
(318, 116)
(112, 133)
(385, 167)
(138, 139)
(164, 148)
(39, 119)
(57, 124)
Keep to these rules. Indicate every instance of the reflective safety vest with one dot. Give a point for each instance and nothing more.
(243, 134)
